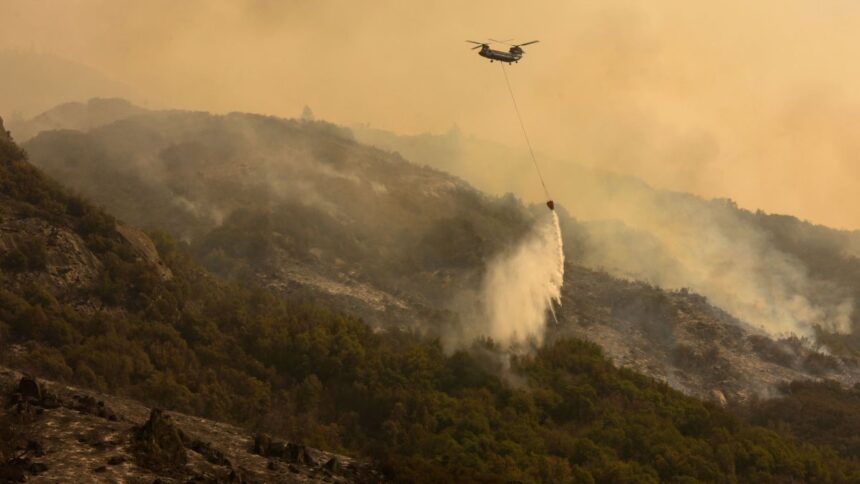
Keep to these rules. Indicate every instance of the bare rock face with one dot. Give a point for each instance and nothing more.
(52, 257)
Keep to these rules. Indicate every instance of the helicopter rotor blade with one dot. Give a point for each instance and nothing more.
(528, 43)
(501, 41)
(478, 46)
(472, 41)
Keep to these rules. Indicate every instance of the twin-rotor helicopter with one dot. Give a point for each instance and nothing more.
(513, 55)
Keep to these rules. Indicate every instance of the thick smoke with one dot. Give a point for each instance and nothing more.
(711, 248)
(520, 289)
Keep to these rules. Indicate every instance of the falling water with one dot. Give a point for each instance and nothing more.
(523, 285)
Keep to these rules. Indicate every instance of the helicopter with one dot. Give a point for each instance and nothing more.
(511, 56)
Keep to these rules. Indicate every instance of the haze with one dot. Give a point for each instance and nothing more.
(757, 101)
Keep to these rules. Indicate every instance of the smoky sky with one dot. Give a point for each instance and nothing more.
(756, 101)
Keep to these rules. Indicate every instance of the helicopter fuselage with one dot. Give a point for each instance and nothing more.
(513, 55)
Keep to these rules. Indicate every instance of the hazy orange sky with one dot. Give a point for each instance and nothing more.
(757, 101)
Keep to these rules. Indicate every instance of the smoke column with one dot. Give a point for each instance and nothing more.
(522, 285)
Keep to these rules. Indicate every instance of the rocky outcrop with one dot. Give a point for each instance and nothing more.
(29, 397)
(29, 388)
(293, 453)
(297, 456)
(159, 444)
(63, 434)
(91, 406)
(51, 256)
(145, 249)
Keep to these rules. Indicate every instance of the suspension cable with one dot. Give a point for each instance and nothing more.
(525, 134)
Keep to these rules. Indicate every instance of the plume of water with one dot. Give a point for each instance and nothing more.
(523, 285)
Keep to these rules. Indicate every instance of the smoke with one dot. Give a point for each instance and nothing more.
(211, 214)
(520, 288)
(713, 248)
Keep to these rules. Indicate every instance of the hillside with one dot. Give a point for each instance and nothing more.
(301, 208)
(289, 203)
(773, 271)
(184, 340)
(681, 338)
(66, 434)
